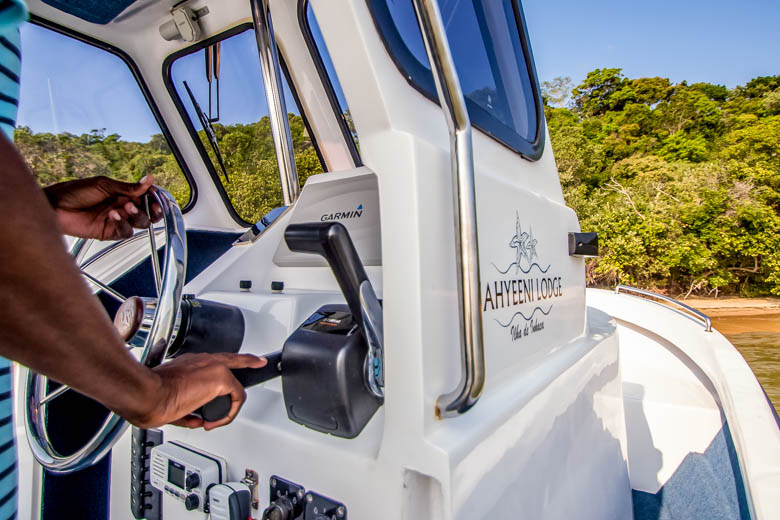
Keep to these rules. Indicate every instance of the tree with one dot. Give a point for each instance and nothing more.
(682, 182)
(602, 90)
(557, 92)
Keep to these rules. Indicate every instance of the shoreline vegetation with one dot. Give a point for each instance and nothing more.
(681, 181)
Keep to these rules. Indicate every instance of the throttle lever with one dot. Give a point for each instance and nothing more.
(219, 407)
(331, 240)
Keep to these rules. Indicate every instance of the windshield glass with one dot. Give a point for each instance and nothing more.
(220, 90)
(490, 48)
(94, 122)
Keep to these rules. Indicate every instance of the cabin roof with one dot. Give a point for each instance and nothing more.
(95, 11)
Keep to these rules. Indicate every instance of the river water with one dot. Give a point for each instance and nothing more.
(758, 340)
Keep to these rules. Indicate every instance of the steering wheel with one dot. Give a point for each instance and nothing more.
(157, 321)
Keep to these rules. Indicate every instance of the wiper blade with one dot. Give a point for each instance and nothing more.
(206, 125)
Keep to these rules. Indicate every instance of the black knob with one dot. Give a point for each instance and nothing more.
(280, 509)
(192, 481)
(191, 502)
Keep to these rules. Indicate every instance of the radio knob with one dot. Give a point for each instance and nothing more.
(191, 502)
(192, 481)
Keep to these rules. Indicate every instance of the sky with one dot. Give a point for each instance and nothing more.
(715, 41)
(70, 86)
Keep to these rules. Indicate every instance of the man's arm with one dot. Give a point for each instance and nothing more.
(52, 323)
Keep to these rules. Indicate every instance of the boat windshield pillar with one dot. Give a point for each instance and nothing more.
(453, 104)
(274, 93)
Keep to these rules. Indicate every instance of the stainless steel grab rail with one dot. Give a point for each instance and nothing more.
(453, 105)
(706, 321)
(277, 108)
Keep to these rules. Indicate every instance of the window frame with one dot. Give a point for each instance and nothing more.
(167, 69)
(421, 80)
(147, 94)
(327, 84)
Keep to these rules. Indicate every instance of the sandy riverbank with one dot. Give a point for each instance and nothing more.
(735, 306)
(753, 326)
(740, 315)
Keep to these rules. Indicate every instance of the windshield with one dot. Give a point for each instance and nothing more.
(490, 48)
(96, 122)
(220, 92)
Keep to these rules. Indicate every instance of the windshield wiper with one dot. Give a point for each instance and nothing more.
(205, 123)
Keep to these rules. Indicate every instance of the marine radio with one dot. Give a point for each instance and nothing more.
(185, 474)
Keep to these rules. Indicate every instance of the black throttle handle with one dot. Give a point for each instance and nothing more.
(331, 240)
(219, 407)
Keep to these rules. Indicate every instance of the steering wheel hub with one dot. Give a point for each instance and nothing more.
(129, 317)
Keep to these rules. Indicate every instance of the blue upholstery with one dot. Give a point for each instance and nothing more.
(705, 486)
(95, 11)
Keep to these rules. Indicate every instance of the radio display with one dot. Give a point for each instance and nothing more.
(176, 473)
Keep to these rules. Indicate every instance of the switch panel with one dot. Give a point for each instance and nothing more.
(319, 507)
(145, 501)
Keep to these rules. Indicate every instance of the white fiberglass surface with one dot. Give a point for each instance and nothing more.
(670, 412)
(656, 411)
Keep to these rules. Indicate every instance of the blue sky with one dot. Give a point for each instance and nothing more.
(70, 86)
(721, 42)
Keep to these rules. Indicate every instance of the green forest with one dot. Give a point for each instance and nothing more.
(682, 182)
(252, 181)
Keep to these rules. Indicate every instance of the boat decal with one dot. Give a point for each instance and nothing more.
(526, 318)
(343, 215)
(523, 283)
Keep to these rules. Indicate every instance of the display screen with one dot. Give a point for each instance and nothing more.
(176, 473)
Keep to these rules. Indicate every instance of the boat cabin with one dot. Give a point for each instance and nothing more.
(364, 192)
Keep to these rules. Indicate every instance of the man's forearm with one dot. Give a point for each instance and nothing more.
(51, 322)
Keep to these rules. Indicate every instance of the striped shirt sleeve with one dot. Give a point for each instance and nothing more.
(8, 471)
(12, 14)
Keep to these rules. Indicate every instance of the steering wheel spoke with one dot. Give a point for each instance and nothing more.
(108, 290)
(154, 329)
(53, 395)
(153, 245)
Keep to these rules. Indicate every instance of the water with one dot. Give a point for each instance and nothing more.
(758, 340)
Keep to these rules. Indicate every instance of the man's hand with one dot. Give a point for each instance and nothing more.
(100, 207)
(190, 381)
